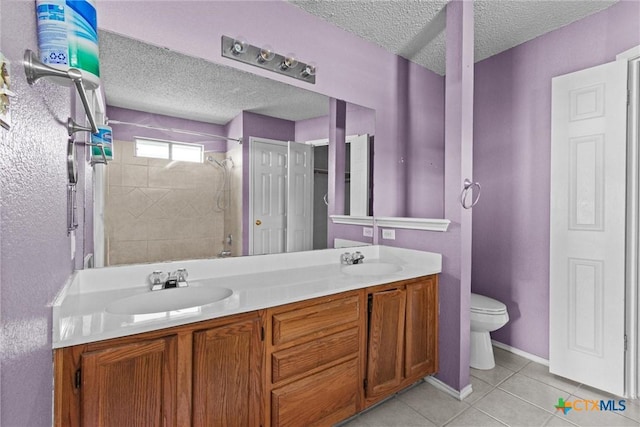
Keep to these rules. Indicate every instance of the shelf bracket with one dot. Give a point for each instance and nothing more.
(35, 70)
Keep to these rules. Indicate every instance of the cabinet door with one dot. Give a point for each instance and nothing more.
(421, 351)
(227, 365)
(386, 341)
(130, 385)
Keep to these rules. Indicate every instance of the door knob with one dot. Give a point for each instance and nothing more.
(258, 222)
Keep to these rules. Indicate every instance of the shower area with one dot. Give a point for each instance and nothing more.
(160, 210)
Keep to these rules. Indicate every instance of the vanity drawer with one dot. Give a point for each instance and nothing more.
(316, 320)
(321, 399)
(313, 354)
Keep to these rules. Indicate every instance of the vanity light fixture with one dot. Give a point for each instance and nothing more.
(289, 61)
(239, 46)
(266, 54)
(238, 49)
(309, 70)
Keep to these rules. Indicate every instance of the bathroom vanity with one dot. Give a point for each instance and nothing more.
(312, 345)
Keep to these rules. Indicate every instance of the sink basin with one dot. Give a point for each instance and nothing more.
(168, 300)
(371, 269)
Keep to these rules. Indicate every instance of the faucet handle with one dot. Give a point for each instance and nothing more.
(156, 280)
(346, 258)
(182, 275)
(156, 277)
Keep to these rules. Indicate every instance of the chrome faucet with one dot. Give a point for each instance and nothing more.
(160, 280)
(351, 258)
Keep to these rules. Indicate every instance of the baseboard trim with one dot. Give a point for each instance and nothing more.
(460, 395)
(519, 352)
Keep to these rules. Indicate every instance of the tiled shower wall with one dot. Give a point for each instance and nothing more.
(159, 210)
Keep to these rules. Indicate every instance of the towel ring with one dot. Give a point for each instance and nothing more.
(468, 185)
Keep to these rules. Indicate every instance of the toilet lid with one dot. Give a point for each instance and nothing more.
(482, 304)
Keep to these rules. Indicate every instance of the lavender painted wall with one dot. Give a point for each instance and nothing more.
(260, 126)
(311, 129)
(233, 129)
(360, 120)
(128, 133)
(512, 161)
(254, 124)
(35, 250)
(424, 151)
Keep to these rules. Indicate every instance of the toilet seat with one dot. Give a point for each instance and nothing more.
(485, 305)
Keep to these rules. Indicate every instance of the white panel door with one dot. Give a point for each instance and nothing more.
(300, 198)
(359, 184)
(269, 195)
(587, 254)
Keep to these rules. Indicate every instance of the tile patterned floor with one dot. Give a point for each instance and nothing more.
(517, 392)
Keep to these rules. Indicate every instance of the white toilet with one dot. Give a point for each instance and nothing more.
(487, 315)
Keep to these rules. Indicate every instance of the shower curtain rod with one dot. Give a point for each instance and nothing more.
(187, 132)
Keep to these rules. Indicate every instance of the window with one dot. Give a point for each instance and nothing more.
(170, 150)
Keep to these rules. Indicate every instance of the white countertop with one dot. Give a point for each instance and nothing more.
(257, 282)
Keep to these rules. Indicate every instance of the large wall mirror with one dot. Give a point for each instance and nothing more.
(203, 159)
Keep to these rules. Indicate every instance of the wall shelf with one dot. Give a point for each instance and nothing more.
(35, 70)
(352, 220)
(428, 224)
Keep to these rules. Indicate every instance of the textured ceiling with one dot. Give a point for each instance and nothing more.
(143, 77)
(409, 28)
(413, 28)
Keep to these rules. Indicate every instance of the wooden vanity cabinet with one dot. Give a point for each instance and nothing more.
(310, 363)
(203, 374)
(314, 350)
(402, 344)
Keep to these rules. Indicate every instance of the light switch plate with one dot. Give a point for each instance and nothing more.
(389, 234)
(367, 231)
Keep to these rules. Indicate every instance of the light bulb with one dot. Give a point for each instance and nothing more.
(289, 61)
(239, 46)
(266, 54)
(309, 70)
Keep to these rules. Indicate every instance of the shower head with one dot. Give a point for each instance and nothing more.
(224, 163)
(211, 159)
